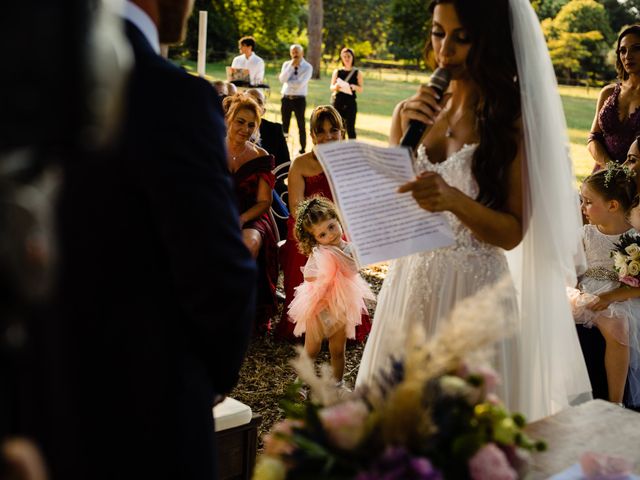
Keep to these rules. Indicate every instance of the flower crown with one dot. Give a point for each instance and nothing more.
(612, 170)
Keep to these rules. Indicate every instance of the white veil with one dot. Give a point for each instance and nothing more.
(552, 369)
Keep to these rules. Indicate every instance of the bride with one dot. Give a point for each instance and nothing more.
(494, 161)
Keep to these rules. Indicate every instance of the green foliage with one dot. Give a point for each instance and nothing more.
(275, 24)
(621, 13)
(578, 39)
(409, 29)
(582, 16)
(345, 24)
(547, 8)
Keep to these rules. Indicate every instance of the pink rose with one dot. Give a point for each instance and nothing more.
(345, 423)
(489, 376)
(277, 442)
(490, 463)
(629, 280)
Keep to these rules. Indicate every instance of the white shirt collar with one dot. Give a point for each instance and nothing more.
(140, 19)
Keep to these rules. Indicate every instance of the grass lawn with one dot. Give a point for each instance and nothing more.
(384, 88)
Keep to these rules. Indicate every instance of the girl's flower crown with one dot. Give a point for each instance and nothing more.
(613, 169)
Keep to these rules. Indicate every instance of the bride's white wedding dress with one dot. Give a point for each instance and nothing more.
(542, 368)
(423, 288)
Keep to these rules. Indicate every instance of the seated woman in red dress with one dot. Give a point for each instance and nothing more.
(306, 178)
(251, 168)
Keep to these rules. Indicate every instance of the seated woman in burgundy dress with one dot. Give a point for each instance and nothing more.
(251, 168)
(617, 120)
(306, 178)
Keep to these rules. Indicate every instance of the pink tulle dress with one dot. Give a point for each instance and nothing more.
(332, 295)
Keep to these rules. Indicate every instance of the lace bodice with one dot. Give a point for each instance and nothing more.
(598, 247)
(617, 135)
(456, 171)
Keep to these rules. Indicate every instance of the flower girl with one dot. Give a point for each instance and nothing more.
(604, 297)
(329, 303)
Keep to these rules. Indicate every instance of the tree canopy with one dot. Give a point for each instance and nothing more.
(581, 34)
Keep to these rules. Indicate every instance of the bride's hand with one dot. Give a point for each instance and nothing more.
(424, 107)
(432, 193)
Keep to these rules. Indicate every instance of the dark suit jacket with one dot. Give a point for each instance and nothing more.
(273, 141)
(157, 288)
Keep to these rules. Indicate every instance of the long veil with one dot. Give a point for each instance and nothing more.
(552, 369)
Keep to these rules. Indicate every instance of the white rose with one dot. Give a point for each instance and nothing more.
(634, 268)
(633, 251)
(618, 260)
(623, 270)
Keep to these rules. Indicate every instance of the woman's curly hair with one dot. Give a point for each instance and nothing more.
(311, 211)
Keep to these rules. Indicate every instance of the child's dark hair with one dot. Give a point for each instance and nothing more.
(614, 183)
(311, 211)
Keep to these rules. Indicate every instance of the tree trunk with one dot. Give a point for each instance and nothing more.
(314, 50)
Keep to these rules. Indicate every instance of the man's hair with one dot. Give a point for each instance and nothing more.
(297, 46)
(257, 95)
(248, 41)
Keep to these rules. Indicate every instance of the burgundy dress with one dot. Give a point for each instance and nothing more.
(246, 180)
(293, 261)
(616, 136)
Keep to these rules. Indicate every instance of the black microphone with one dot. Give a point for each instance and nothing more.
(439, 81)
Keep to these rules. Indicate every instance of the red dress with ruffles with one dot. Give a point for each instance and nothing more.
(246, 179)
(292, 262)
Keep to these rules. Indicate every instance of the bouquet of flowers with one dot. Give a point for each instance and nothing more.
(626, 258)
(434, 415)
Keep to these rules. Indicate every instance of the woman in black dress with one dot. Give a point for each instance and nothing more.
(348, 78)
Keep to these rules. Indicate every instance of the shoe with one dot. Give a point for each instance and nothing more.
(281, 297)
(343, 390)
(301, 151)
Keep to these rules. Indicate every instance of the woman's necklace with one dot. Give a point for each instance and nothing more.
(237, 155)
(449, 132)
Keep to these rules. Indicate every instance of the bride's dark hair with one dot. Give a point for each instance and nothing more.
(492, 66)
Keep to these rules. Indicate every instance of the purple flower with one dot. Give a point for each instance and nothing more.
(398, 464)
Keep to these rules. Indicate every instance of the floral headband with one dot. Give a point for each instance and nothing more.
(612, 171)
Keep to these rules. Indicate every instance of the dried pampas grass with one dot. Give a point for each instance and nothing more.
(322, 389)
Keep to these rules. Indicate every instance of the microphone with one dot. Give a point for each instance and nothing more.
(439, 81)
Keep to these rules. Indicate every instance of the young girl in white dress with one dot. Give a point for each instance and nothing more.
(601, 300)
(329, 303)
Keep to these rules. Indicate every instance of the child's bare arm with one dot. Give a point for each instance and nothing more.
(619, 294)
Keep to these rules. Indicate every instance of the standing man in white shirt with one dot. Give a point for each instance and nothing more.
(295, 76)
(249, 60)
